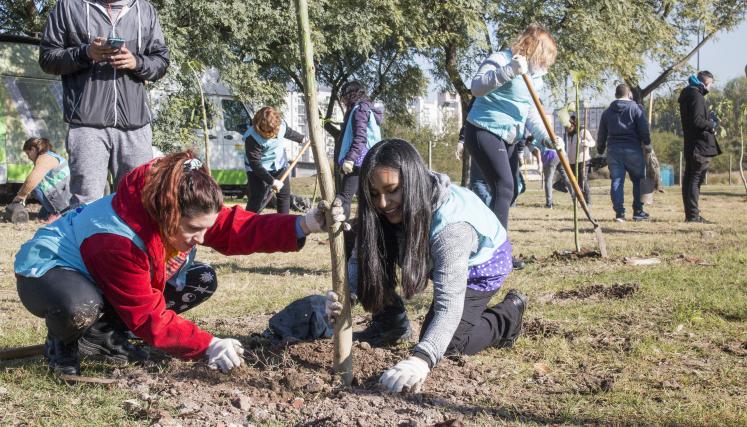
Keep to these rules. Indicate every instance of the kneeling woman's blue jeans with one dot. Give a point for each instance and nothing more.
(621, 160)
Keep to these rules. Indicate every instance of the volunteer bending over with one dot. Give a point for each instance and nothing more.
(411, 217)
(125, 262)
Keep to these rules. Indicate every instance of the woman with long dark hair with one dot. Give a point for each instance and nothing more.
(125, 262)
(415, 219)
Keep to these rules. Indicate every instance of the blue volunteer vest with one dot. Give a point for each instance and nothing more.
(273, 151)
(464, 206)
(504, 111)
(53, 191)
(58, 244)
(373, 134)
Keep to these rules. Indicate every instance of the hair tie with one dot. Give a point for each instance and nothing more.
(192, 164)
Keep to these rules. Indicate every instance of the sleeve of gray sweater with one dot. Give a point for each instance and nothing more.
(450, 251)
(495, 71)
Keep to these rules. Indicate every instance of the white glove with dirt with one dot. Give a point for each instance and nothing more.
(347, 167)
(277, 185)
(409, 373)
(333, 306)
(459, 150)
(648, 149)
(224, 354)
(519, 65)
(559, 144)
(316, 219)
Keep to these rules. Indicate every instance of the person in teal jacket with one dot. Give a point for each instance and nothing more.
(503, 108)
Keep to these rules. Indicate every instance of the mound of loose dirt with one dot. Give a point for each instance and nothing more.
(616, 291)
(293, 384)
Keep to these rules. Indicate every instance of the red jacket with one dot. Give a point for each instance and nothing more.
(132, 281)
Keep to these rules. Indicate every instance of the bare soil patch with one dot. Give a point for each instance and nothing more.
(615, 291)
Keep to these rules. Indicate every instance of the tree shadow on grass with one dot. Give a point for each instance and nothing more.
(235, 267)
(722, 193)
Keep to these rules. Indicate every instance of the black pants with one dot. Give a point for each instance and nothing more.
(582, 179)
(492, 155)
(69, 303)
(481, 326)
(696, 167)
(257, 190)
(348, 189)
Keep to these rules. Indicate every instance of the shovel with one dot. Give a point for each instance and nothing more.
(567, 167)
(269, 191)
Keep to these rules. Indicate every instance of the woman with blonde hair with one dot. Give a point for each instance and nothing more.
(503, 108)
(265, 160)
(49, 180)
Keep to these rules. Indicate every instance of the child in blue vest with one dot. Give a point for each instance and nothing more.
(416, 219)
(361, 130)
(265, 159)
(49, 180)
(125, 263)
(503, 108)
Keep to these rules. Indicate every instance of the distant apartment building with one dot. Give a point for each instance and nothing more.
(437, 114)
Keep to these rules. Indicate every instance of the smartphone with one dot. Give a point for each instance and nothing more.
(115, 42)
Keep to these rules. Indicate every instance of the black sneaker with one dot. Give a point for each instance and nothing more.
(698, 219)
(640, 216)
(620, 217)
(103, 340)
(388, 326)
(62, 358)
(518, 264)
(520, 301)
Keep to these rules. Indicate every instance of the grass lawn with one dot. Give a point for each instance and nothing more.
(605, 342)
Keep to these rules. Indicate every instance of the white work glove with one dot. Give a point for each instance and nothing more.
(519, 65)
(20, 200)
(459, 150)
(224, 354)
(277, 185)
(347, 167)
(410, 373)
(559, 144)
(648, 149)
(316, 218)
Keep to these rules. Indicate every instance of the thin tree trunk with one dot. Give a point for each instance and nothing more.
(343, 336)
(465, 96)
(741, 154)
(204, 118)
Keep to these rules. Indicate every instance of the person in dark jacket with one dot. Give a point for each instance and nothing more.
(700, 141)
(105, 51)
(361, 130)
(265, 160)
(624, 127)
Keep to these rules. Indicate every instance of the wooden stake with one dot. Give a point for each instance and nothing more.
(343, 336)
(21, 352)
(680, 168)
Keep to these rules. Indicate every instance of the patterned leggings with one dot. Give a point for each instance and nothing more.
(200, 285)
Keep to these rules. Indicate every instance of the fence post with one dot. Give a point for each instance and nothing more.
(730, 170)
(680, 169)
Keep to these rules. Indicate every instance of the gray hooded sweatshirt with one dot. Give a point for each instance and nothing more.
(95, 94)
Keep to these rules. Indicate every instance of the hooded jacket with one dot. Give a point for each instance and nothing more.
(95, 94)
(623, 124)
(132, 279)
(359, 148)
(696, 126)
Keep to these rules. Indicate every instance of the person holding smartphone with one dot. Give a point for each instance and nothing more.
(105, 51)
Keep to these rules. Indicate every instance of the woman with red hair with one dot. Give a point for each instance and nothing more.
(126, 262)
